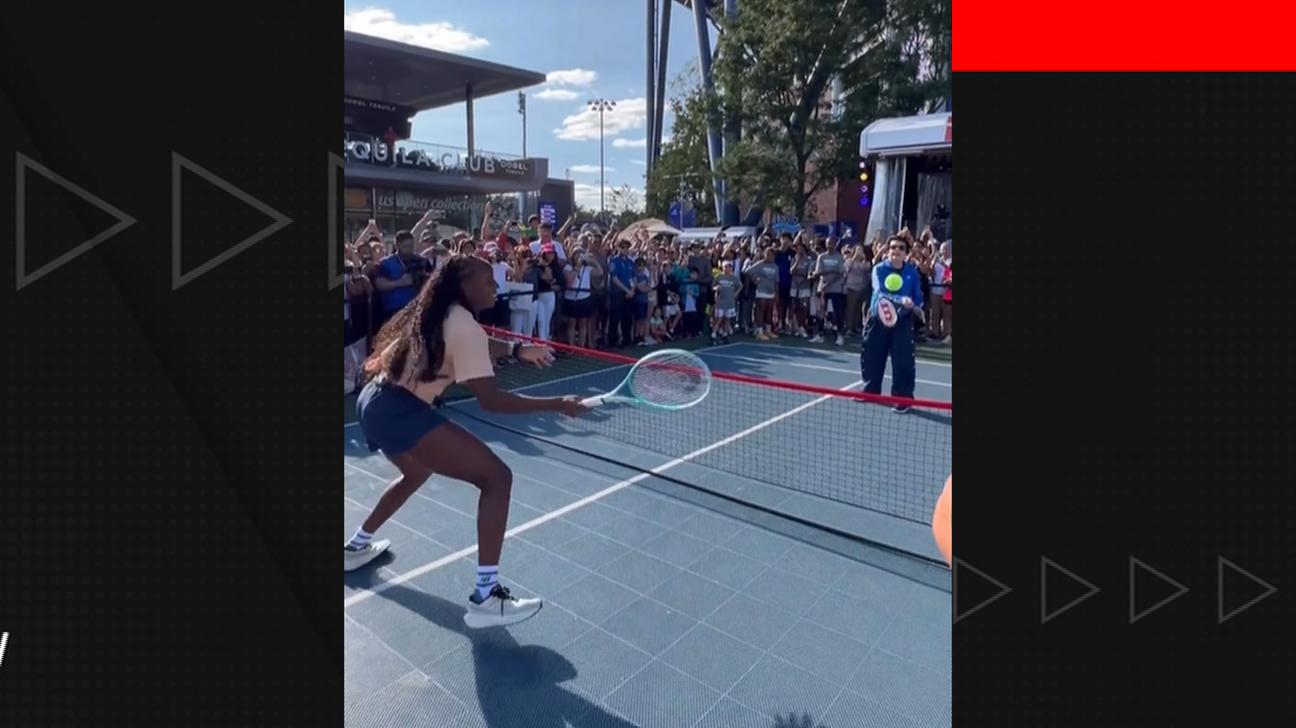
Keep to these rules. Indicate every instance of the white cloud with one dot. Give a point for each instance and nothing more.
(572, 77)
(584, 125)
(441, 36)
(639, 162)
(630, 143)
(588, 196)
(589, 169)
(556, 94)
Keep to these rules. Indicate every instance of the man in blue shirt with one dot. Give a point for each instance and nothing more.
(401, 274)
(897, 341)
(621, 272)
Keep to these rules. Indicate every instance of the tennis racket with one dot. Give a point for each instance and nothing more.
(670, 379)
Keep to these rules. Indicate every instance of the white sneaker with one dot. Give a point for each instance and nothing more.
(841, 340)
(649, 341)
(801, 332)
(947, 340)
(500, 609)
(816, 339)
(353, 559)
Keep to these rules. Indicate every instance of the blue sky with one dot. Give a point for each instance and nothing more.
(589, 49)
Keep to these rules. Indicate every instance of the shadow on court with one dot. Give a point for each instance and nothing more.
(515, 685)
(370, 576)
(548, 425)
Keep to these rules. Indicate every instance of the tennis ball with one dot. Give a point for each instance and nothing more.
(893, 282)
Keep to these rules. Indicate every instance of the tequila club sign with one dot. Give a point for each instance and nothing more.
(378, 153)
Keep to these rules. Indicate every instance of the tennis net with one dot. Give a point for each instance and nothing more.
(750, 434)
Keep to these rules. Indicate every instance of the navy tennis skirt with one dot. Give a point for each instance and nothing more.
(393, 419)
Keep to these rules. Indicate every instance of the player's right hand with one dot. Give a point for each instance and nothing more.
(572, 407)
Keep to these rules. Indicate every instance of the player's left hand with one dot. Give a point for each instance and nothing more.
(540, 356)
(907, 302)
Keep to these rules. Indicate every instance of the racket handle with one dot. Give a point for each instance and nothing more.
(593, 401)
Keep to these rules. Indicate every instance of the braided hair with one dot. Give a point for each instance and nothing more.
(415, 332)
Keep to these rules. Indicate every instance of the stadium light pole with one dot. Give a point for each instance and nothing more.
(522, 111)
(601, 105)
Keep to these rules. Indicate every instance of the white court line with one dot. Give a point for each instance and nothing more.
(816, 366)
(365, 594)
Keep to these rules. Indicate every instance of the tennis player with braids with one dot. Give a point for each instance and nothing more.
(430, 344)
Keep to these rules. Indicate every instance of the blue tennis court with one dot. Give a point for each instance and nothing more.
(664, 606)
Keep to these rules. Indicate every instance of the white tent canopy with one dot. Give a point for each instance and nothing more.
(908, 135)
(652, 225)
(708, 233)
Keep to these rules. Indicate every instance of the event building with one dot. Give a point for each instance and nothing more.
(394, 179)
(912, 159)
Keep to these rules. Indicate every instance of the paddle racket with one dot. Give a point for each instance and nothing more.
(889, 308)
(670, 379)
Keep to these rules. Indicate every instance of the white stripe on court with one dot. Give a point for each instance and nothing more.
(4, 644)
(365, 594)
(780, 363)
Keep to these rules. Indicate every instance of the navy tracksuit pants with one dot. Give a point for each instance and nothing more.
(898, 342)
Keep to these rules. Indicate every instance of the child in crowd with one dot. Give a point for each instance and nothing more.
(643, 285)
(725, 312)
(691, 292)
(672, 313)
(657, 326)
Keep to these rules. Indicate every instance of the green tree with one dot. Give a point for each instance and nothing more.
(683, 164)
(774, 71)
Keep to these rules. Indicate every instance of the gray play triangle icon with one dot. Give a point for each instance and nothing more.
(1138, 611)
(962, 609)
(181, 277)
(1047, 614)
(1251, 579)
(24, 277)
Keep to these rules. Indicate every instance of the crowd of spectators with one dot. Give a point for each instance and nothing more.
(614, 289)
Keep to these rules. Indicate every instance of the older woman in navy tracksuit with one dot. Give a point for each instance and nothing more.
(896, 341)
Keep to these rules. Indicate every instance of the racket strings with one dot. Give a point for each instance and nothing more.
(673, 379)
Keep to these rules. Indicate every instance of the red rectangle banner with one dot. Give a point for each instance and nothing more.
(1125, 35)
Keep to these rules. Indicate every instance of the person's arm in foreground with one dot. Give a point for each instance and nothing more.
(471, 349)
(943, 522)
(493, 399)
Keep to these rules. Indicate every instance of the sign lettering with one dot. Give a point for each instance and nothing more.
(548, 212)
(377, 152)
